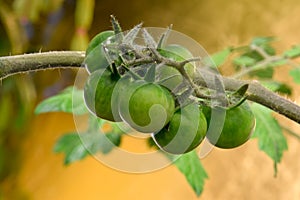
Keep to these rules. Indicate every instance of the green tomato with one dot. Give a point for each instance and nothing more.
(95, 57)
(186, 130)
(238, 126)
(169, 77)
(98, 94)
(179, 53)
(146, 107)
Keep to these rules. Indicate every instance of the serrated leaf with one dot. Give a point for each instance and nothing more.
(71, 145)
(295, 73)
(276, 86)
(190, 166)
(63, 102)
(220, 57)
(292, 53)
(77, 146)
(244, 61)
(105, 142)
(269, 134)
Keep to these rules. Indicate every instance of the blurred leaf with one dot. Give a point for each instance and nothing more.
(269, 49)
(292, 53)
(71, 145)
(278, 63)
(220, 57)
(262, 40)
(189, 164)
(295, 73)
(263, 73)
(276, 86)
(77, 146)
(269, 134)
(112, 137)
(244, 61)
(63, 102)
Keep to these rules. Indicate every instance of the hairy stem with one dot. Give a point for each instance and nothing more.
(11, 65)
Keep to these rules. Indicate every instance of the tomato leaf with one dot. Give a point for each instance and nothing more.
(262, 40)
(244, 61)
(295, 73)
(220, 57)
(190, 166)
(269, 134)
(71, 145)
(77, 146)
(263, 73)
(63, 102)
(276, 86)
(293, 52)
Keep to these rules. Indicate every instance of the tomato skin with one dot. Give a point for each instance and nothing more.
(186, 130)
(98, 94)
(146, 107)
(179, 53)
(238, 126)
(95, 57)
(169, 77)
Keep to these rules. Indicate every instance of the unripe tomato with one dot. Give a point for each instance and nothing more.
(95, 57)
(186, 130)
(171, 75)
(179, 53)
(98, 94)
(238, 125)
(146, 107)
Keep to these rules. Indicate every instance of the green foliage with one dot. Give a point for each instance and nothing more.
(63, 102)
(276, 86)
(77, 146)
(72, 147)
(190, 166)
(293, 52)
(244, 61)
(269, 134)
(295, 73)
(220, 57)
(260, 41)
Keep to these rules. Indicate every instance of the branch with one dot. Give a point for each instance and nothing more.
(11, 65)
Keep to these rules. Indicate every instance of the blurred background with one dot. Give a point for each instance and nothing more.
(28, 167)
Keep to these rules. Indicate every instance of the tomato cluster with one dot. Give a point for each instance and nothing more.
(146, 97)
